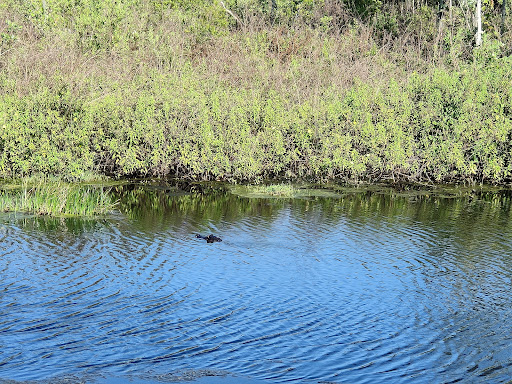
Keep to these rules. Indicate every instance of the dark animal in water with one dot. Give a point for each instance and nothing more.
(209, 238)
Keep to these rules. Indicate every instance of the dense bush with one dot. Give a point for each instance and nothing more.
(245, 90)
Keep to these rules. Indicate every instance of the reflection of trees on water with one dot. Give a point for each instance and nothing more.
(466, 219)
(170, 207)
(57, 225)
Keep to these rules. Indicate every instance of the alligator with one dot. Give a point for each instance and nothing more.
(209, 238)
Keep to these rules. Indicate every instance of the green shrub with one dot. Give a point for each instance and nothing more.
(179, 88)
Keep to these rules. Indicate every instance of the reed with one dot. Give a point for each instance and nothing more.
(56, 199)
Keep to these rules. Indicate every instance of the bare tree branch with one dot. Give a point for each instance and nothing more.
(231, 13)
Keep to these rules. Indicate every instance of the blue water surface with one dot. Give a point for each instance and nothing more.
(355, 289)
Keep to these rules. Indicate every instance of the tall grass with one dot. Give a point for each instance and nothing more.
(56, 198)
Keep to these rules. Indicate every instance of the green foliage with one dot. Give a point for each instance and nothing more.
(9, 35)
(366, 8)
(41, 133)
(443, 126)
(489, 51)
(181, 88)
(465, 124)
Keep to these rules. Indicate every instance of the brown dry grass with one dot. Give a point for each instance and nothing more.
(281, 58)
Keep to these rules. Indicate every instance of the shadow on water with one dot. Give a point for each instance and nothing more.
(339, 285)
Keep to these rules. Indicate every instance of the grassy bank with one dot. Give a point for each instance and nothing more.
(177, 88)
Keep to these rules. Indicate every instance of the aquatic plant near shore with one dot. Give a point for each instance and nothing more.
(56, 198)
(278, 190)
(285, 191)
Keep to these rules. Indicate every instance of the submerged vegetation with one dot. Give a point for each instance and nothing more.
(248, 90)
(56, 199)
(274, 190)
(285, 191)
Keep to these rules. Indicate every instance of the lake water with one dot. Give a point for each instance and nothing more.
(352, 287)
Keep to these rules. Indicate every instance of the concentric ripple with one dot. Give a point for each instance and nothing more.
(358, 290)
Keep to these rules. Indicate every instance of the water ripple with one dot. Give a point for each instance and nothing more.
(299, 294)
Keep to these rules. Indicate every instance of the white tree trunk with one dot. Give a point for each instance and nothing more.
(503, 15)
(478, 17)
